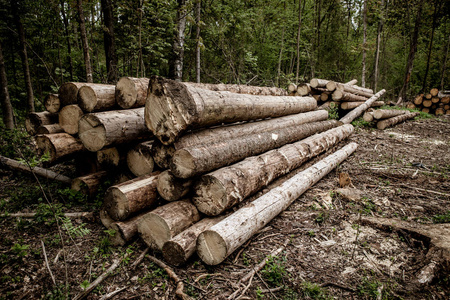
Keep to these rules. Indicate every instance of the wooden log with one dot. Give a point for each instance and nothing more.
(69, 116)
(52, 103)
(124, 231)
(447, 112)
(303, 89)
(348, 118)
(196, 160)
(240, 89)
(428, 96)
(68, 92)
(434, 92)
(340, 95)
(173, 107)
(171, 188)
(316, 97)
(324, 96)
(387, 113)
(221, 189)
(19, 166)
(333, 85)
(58, 145)
(216, 243)
(165, 222)
(427, 103)
(352, 82)
(37, 119)
(98, 130)
(98, 97)
(446, 106)
(109, 158)
(140, 159)
(425, 110)
(418, 100)
(410, 106)
(352, 105)
(445, 100)
(88, 185)
(49, 129)
(329, 105)
(318, 83)
(181, 247)
(435, 100)
(395, 120)
(356, 90)
(439, 111)
(130, 197)
(131, 92)
(292, 88)
(368, 115)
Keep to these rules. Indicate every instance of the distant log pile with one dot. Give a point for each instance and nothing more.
(383, 118)
(435, 102)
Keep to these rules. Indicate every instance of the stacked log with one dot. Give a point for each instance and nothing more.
(383, 118)
(435, 102)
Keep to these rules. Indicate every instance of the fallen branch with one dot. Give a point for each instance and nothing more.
(138, 261)
(422, 190)
(112, 294)
(46, 263)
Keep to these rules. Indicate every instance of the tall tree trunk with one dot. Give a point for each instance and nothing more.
(109, 41)
(412, 53)
(178, 45)
(197, 38)
(363, 76)
(437, 7)
(8, 117)
(280, 58)
(66, 31)
(140, 62)
(377, 53)
(444, 63)
(298, 39)
(84, 41)
(24, 56)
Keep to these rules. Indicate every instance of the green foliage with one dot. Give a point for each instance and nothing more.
(85, 284)
(20, 250)
(360, 123)
(77, 231)
(374, 289)
(47, 214)
(445, 218)
(274, 270)
(333, 112)
(314, 291)
(72, 196)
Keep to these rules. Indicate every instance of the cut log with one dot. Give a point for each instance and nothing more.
(348, 118)
(181, 247)
(58, 145)
(447, 107)
(292, 88)
(318, 83)
(127, 198)
(68, 92)
(368, 115)
(445, 100)
(52, 103)
(124, 231)
(388, 113)
(434, 92)
(425, 110)
(428, 96)
(352, 105)
(109, 158)
(333, 85)
(418, 100)
(435, 100)
(329, 105)
(98, 130)
(395, 120)
(36, 120)
(439, 111)
(356, 90)
(17, 165)
(140, 159)
(165, 222)
(427, 103)
(303, 89)
(88, 185)
(410, 106)
(316, 97)
(340, 95)
(173, 107)
(98, 97)
(49, 129)
(222, 189)
(324, 96)
(172, 188)
(215, 244)
(69, 116)
(240, 89)
(196, 160)
(163, 154)
(131, 92)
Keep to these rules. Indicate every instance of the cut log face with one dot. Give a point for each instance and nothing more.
(216, 243)
(303, 89)
(418, 100)
(387, 113)
(427, 103)
(192, 161)
(171, 188)
(98, 130)
(98, 97)
(411, 106)
(58, 145)
(368, 116)
(125, 199)
(88, 185)
(434, 92)
(69, 116)
(292, 88)
(173, 107)
(36, 120)
(52, 103)
(68, 92)
(435, 100)
(165, 222)
(395, 120)
(318, 83)
(109, 157)
(131, 92)
(222, 189)
(140, 159)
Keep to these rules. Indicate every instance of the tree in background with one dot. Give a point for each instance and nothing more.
(84, 41)
(8, 117)
(109, 41)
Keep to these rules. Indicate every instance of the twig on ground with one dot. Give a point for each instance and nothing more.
(206, 275)
(141, 257)
(112, 294)
(338, 285)
(46, 262)
(274, 290)
(245, 289)
(422, 190)
(267, 286)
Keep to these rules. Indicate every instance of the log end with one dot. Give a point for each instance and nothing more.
(116, 238)
(211, 247)
(140, 163)
(162, 155)
(174, 253)
(69, 117)
(337, 95)
(211, 196)
(331, 85)
(126, 93)
(52, 103)
(44, 145)
(116, 204)
(68, 93)
(79, 186)
(154, 231)
(314, 83)
(182, 164)
(108, 157)
(92, 133)
(86, 98)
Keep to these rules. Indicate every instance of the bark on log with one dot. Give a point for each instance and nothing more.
(354, 89)
(52, 103)
(49, 129)
(109, 158)
(69, 116)
(58, 145)
(196, 160)
(395, 120)
(131, 92)
(222, 189)
(318, 83)
(98, 130)
(240, 89)
(124, 231)
(165, 222)
(418, 100)
(127, 198)
(333, 85)
(173, 107)
(352, 105)
(88, 185)
(340, 95)
(98, 97)
(181, 247)
(36, 120)
(303, 89)
(17, 165)
(215, 244)
(329, 105)
(163, 154)
(387, 113)
(348, 118)
(140, 159)
(434, 92)
(172, 188)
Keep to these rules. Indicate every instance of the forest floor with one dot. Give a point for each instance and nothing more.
(334, 245)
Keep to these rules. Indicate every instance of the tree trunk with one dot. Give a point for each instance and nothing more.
(239, 88)
(36, 120)
(363, 76)
(173, 107)
(109, 40)
(181, 247)
(198, 9)
(340, 95)
(67, 35)
(140, 63)
(298, 39)
(140, 159)
(130, 197)
(378, 43)
(165, 222)
(131, 92)
(437, 7)
(171, 188)
(7, 109)
(49, 129)
(215, 244)
(88, 185)
(84, 41)
(318, 83)
(68, 118)
(52, 103)
(178, 45)
(352, 105)
(58, 145)
(348, 118)
(98, 130)
(444, 63)
(222, 189)
(96, 97)
(387, 113)
(196, 160)
(395, 120)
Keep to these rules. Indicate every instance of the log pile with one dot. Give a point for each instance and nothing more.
(435, 102)
(383, 118)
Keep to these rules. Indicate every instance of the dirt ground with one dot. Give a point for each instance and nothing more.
(332, 245)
